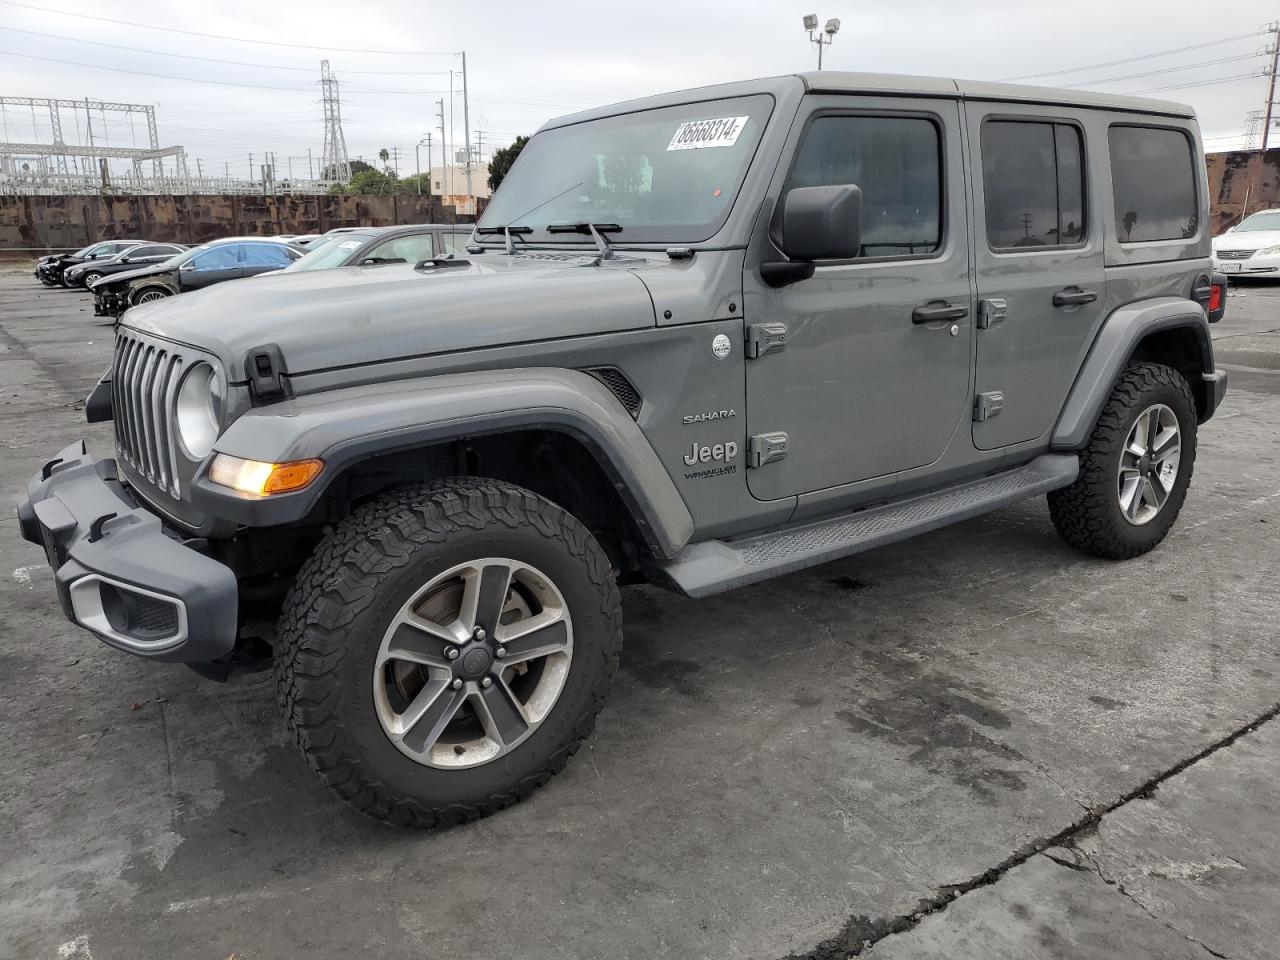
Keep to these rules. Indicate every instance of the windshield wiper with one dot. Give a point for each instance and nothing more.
(597, 231)
(507, 232)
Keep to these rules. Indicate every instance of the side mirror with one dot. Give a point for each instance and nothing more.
(818, 223)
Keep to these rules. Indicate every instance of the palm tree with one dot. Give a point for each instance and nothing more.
(384, 155)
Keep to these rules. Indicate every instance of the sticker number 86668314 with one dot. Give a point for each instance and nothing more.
(696, 134)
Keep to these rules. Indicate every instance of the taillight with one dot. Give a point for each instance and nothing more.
(1217, 307)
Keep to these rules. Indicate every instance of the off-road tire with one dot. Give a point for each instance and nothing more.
(335, 615)
(1087, 514)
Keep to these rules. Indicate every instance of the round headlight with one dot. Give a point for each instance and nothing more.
(199, 410)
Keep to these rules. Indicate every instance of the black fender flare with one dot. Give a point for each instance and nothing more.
(342, 427)
(1119, 337)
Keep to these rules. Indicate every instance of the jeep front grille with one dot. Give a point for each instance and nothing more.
(144, 384)
(1235, 254)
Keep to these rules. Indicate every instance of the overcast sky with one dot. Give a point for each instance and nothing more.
(528, 61)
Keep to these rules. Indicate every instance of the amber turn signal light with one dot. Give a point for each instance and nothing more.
(263, 479)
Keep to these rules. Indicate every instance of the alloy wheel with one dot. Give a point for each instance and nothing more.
(473, 663)
(148, 296)
(1149, 464)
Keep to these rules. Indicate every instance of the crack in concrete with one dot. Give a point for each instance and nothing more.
(1132, 898)
(860, 932)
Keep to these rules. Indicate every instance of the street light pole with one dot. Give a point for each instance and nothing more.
(823, 39)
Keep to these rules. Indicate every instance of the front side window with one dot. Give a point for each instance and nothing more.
(667, 175)
(897, 163)
(1153, 176)
(401, 250)
(455, 242)
(1033, 181)
(215, 258)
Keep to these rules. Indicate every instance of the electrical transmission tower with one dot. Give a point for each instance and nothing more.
(335, 165)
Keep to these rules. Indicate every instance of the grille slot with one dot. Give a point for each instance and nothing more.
(620, 387)
(144, 383)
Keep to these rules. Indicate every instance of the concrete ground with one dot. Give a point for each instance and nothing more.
(976, 744)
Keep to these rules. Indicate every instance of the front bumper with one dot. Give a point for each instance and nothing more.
(119, 572)
(109, 303)
(1256, 265)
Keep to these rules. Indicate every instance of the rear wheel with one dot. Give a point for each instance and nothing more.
(1136, 469)
(446, 649)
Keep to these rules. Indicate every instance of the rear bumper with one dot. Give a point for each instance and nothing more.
(119, 573)
(1215, 388)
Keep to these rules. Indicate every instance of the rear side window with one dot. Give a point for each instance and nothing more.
(265, 255)
(401, 250)
(897, 161)
(455, 242)
(1153, 176)
(1033, 181)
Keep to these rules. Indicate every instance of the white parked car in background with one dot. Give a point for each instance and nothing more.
(1251, 247)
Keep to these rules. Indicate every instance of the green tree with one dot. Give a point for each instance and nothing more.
(409, 184)
(385, 156)
(368, 182)
(502, 160)
(356, 166)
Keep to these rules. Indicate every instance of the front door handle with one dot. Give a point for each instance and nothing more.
(1074, 297)
(938, 311)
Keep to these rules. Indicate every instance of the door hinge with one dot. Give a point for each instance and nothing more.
(991, 312)
(988, 405)
(765, 448)
(764, 338)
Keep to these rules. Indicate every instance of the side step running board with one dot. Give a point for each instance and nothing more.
(713, 566)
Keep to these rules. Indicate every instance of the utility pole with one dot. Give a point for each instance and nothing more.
(479, 146)
(251, 171)
(444, 143)
(1274, 29)
(466, 119)
(311, 174)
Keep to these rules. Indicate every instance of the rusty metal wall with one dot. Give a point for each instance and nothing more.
(1239, 174)
(41, 224)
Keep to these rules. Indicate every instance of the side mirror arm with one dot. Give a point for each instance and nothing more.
(781, 273)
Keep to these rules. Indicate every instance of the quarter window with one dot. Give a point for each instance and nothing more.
(1033, 181)
(1152, 174)
(897, 163)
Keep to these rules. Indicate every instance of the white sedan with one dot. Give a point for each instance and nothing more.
(1251, 248)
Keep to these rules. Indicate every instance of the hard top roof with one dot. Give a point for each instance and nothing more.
(887, 84)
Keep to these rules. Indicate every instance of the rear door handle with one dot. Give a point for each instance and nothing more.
(938, 311)
(1073, 297)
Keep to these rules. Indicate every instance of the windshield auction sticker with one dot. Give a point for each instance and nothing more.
(696, 134)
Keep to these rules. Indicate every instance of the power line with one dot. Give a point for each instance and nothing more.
(234, 63)
(218, 36)
(1116, 63)
(142, 73)
(1163, 70)
(1199, 83)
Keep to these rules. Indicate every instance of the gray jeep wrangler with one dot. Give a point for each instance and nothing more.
(701, 340)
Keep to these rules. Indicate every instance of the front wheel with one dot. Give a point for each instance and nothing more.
(89, 279)
(1135, 471)
(446, 649)
(150, 294)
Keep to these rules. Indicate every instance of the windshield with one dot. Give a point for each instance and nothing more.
(668, 175)
(330, 253)
(1270, 220)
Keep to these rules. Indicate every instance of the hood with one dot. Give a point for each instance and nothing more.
(1248, 240)
(359, 315)
(149, 271)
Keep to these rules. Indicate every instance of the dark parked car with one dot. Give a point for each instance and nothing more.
(49, 270)
(144, 255)
(374, 245)
(226, 259)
